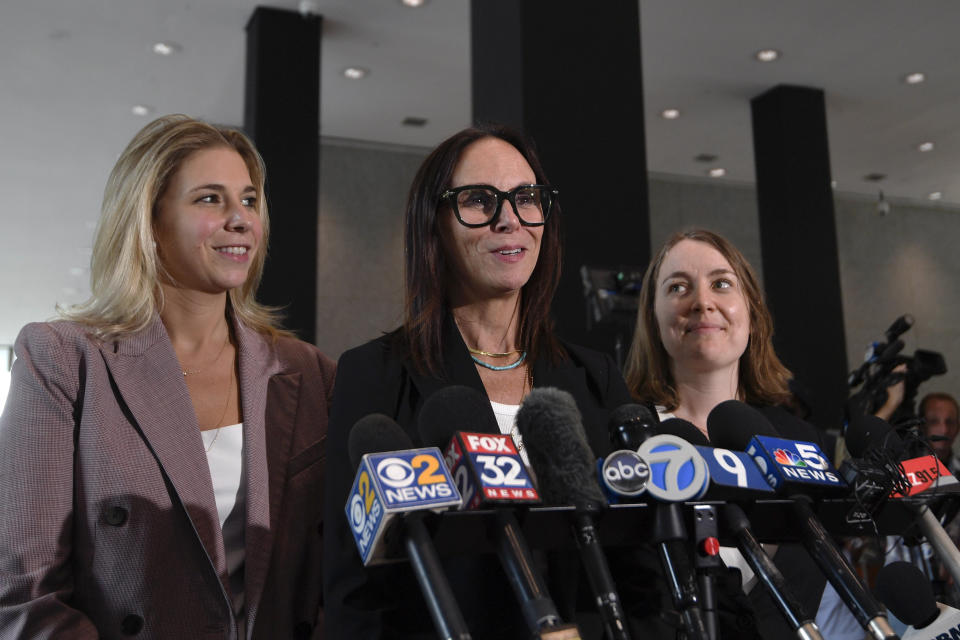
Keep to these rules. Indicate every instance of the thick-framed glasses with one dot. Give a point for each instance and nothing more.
(479, 205)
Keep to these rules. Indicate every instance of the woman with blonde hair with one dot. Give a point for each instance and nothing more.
(162, 445)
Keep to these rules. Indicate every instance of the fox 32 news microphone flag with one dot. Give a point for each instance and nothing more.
(488, 470)
(394, 483)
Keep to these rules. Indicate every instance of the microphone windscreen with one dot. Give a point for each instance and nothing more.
(629, 425)
(552, 431)
(866, 432)
(452, 409)
(908, 594)
(375, 433)
(732, 424)
(684, 429)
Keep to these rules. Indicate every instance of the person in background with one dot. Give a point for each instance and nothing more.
(940, 422)
(704, 336)
(162, 446)
(482, 262)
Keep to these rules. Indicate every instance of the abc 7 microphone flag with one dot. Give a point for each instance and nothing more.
(392, 483)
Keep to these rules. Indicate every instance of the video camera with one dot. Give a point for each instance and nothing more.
(876, 374)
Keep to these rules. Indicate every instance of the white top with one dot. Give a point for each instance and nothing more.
(224, 447)
(507, 421)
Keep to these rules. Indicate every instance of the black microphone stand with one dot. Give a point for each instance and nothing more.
(443, 607)
(670, 536)
(708, 564)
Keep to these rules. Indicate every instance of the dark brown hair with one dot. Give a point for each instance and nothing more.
(427, 270)
(763, 379)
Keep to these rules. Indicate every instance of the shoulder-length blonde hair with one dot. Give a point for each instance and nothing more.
(763, 379)
(124, 269)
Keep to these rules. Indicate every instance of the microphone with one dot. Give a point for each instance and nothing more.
(734, 424)
(552, 430)
(923, 474)
(677, 473)
(908, 594)
(387, 485)
(734, 476)
(454, 414)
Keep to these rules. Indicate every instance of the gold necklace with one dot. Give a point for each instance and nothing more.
(188, 372)
(224, 412)
(505, 354)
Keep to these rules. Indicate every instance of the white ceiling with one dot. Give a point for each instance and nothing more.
(70, 70)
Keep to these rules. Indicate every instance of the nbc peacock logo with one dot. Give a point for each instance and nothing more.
(788, 458)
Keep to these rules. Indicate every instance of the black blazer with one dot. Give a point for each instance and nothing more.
(385, 601)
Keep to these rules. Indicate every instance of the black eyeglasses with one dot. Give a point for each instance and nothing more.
(479, 205)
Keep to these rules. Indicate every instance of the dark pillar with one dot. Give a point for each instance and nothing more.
(570, 77)
(282, 115)
(798, 240)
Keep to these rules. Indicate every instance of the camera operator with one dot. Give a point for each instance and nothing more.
(895, 394)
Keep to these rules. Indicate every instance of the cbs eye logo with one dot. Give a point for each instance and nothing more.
(395, 472)
(361, 503)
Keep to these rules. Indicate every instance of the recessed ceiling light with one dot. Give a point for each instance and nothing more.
(670, 114)
(936, 195)
(77, 271)
(141, 110)
(925, 146)
(767, 55)
(355, 73)
(914, 78)
(717, 172)
(833, 184)
(413, 3)
(166, 48)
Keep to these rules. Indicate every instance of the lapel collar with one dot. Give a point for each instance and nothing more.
(257, 363)
(457, 365)
(147, 375)
(566, 375)
(571, 377)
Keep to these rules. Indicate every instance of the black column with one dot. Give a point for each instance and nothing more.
(798, 240)
(282, 115)
(569, 75)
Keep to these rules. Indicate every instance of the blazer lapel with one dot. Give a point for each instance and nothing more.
(149, 382)
(572, 378)
(458, 369)
(257, 364)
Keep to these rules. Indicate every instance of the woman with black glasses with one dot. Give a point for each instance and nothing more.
(482, 263)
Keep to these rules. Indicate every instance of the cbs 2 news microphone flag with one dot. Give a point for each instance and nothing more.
(392, 483)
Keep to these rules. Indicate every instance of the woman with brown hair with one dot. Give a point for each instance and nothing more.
(704, 336)
(482, 262)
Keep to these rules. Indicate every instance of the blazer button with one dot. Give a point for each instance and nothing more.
(131, 625)
(116, 516)
(302, 630)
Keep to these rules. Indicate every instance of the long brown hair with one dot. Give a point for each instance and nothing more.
(763, 379)
(426, 268)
